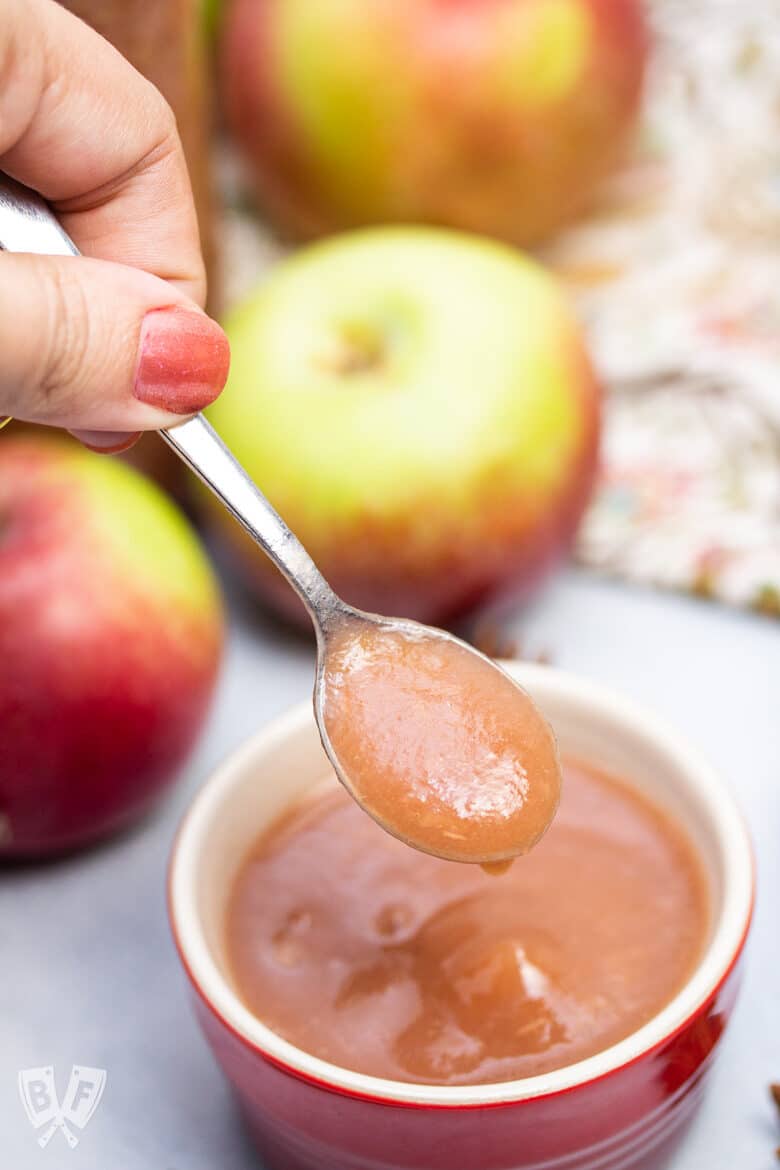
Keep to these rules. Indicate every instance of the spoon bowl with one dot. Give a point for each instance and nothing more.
(442, 747)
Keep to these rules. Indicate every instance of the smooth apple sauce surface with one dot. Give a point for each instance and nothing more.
(384, 960)
(443, 749)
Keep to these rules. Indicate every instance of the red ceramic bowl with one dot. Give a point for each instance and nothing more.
(624, 1107)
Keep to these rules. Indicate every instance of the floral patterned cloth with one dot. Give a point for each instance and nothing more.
(676, 273)
(677, 276)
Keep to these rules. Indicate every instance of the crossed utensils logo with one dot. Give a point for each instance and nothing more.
(82, 1097)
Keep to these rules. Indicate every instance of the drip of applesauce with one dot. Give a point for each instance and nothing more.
(441, 747)
(381, 959)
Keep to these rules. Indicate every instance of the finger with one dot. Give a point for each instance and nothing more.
(80, 125)
(107, 442)
(93, 346)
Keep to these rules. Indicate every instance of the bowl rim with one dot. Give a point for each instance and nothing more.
(722, 953)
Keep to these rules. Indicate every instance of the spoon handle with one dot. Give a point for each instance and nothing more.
(198, 444)
(27, 224)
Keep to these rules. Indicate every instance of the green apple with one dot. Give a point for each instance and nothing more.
(419, 407)
(110, 639)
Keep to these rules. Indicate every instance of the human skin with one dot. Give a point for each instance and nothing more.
(114, 342)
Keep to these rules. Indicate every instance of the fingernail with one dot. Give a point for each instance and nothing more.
(183, 359)
(106, 442)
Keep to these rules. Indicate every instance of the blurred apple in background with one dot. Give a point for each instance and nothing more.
(494, 116)
(110, 637)
(154, 458)
(419, 407)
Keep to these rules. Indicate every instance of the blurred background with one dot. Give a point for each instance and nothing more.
(665, 239)
(500, 280)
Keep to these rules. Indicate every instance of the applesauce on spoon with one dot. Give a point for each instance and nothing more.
(438, 744)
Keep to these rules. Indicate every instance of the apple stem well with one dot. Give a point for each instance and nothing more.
(353, 348)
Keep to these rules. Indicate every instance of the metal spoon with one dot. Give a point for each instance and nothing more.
(27, 224)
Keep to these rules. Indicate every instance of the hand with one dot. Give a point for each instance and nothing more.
(116, 342)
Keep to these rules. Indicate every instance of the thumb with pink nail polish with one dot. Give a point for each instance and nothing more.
(102, 349)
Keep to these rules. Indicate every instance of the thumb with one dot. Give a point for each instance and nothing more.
(96, 346)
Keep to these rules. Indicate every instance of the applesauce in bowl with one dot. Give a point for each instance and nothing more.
(620, 1099)
(372, 955)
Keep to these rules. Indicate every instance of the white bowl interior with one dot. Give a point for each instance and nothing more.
(277, 766)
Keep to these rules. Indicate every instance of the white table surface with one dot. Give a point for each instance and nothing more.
(88, 973)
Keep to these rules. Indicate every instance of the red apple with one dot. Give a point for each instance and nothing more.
(110, 636)
(495, 116)
(419, 406)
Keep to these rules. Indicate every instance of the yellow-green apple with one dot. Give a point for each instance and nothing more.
(494, 116)
(418, 405)
(110, 637)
